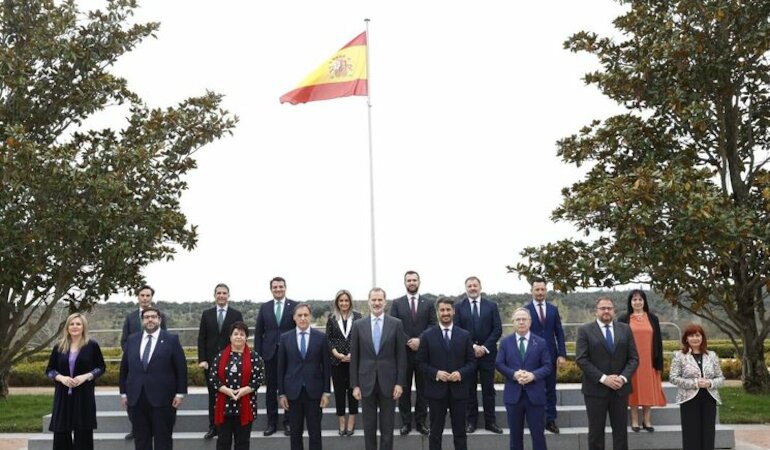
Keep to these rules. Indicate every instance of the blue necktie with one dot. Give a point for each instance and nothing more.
(146, 353)
(376, 335)
(447, 340)
(303, 344)
(608, 336)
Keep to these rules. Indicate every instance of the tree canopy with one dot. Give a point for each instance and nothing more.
(82, 210)
(677, 193)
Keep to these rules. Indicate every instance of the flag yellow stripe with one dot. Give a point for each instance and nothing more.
(348, 64)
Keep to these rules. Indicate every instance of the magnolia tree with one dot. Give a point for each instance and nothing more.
(82, 211)
(677, 191)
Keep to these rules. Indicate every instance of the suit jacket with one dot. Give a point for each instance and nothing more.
(388, 367)
(210, 340)
(684, 373)
(425, 317)
(133, 324)
(313, 371)
(595, 359)
(434, 355)
(267, 331)
(537, 360)
(488, 330)
(166, 374)
(338, 339)
(552, 332)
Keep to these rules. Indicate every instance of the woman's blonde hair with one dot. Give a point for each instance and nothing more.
(65, 341)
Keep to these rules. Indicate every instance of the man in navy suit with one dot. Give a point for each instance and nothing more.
(546, 323)
(213, 336)
(606, 353)
(447, 362)
(153, 382)
(133, 323)
(274, 318)
(304, 371)
(416, 315)
(525, 362)
(481, 318)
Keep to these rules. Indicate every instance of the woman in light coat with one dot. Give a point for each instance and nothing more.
(697, 374)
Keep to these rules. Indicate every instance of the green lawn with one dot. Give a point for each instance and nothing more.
(24, 413)
(740, 407)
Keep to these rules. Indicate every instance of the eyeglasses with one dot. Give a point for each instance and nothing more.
(605, 308)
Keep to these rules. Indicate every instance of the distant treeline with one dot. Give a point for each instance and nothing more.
(573, 307)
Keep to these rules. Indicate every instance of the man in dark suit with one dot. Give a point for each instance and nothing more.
(446, 360)
(304, 371)
(546, 323)
(481, 318)
(133, 324)
(606, 353)
(525, 362)
(378, 369)
(274, 318)
(213, 336)
(416, 315)
(153, 381)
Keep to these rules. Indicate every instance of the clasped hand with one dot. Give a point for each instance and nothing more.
(72, 382)
(443, 375)
(614, 382)
(523, 376)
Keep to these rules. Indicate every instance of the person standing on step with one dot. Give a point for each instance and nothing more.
(213, 336)
(546, 323)
(416, 315)
(481, 317)
(274, 318)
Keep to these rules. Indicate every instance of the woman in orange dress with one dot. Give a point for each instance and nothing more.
(646, 382)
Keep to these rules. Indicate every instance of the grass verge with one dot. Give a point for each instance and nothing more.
(740, 407)
(24, 413)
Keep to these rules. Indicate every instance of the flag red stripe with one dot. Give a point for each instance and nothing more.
(325, 91)
(358, 40)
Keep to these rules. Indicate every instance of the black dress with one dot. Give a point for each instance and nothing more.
(76, 410)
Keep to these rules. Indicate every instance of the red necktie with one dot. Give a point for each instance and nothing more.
(542, 316)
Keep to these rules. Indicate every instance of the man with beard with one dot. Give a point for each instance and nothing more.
(153, 382)
(416, 315)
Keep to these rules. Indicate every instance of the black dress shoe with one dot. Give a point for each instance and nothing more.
(494, 428)
(422, 429)
(286, 430)
(650, 428)
(130, 435)
(552, 427)
(636, 429)
(405, 430)
(351, 431)
(470, 428)
(210, 434)
(269, 431)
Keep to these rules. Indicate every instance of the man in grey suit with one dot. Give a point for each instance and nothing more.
(378, 369)
(416, 315)
(606, 353)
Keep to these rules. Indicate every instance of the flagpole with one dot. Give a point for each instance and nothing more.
(371, 155)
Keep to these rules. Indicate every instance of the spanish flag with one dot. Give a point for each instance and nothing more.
(342, 75)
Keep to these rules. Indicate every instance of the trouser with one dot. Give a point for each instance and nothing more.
(405, 402)
(484, 373)
(438, 409)
(152, 424)
(231, 434)
(342, 390)
(305, 409)
(386, 417)
(271, 393)
(597, 409)
(550, 394)
(82, 440)
(516, 413)
(698, 415)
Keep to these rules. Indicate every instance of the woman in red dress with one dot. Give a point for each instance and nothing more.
(646, 382)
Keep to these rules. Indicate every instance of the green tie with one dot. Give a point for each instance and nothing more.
(522, 351)
(278, 312)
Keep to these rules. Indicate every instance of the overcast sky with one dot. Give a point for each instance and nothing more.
(468, 102)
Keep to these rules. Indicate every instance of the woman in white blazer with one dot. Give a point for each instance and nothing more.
(697, 373)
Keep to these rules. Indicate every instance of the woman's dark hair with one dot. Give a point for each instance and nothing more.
(691, 329)
(641, 293)
(239, 326)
